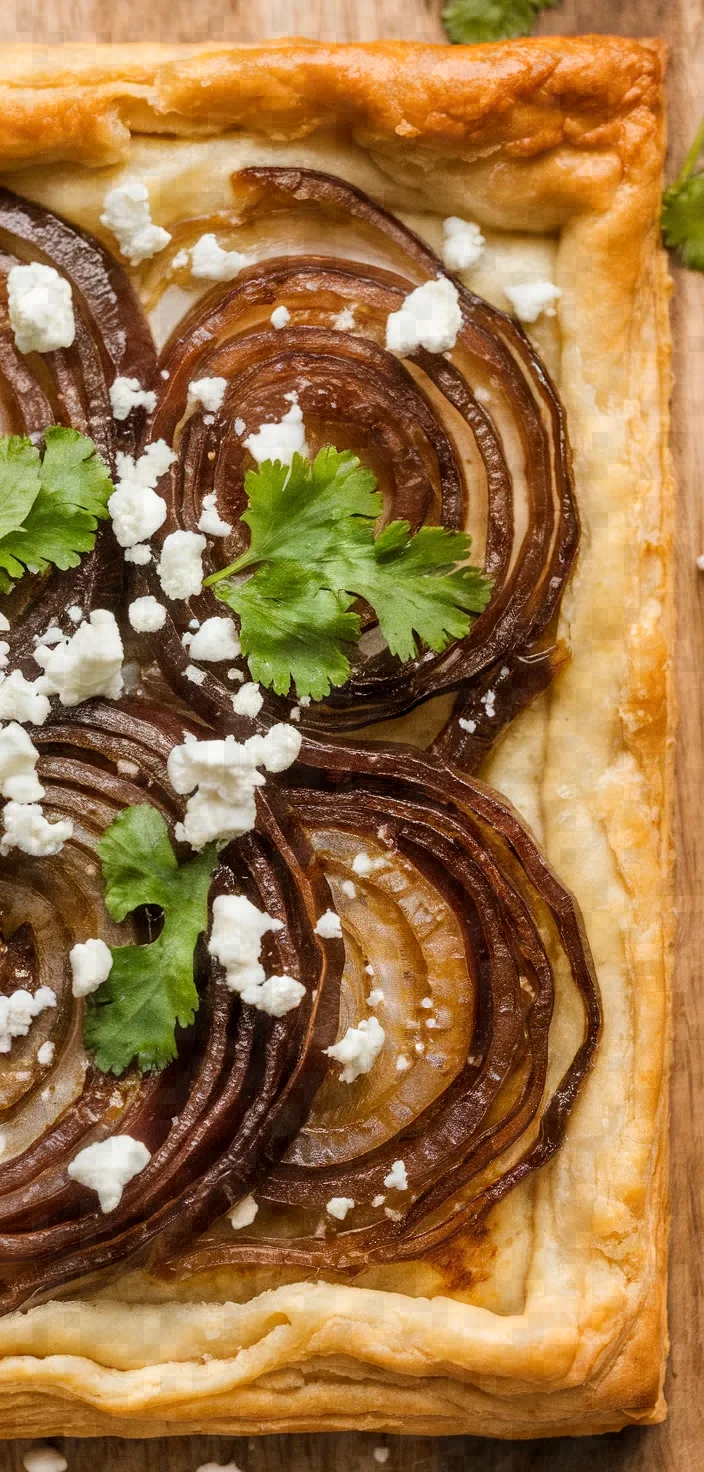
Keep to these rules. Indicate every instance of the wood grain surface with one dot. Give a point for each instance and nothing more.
(678, 1445)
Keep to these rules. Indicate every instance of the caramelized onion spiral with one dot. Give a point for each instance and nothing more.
(442, 453)
(69, 386)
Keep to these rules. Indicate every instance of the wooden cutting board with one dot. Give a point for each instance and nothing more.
(678, 1445)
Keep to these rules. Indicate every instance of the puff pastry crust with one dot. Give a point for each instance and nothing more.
(562, 139)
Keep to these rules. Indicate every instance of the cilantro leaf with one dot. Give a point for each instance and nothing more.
(50, 505)
(312, 538)
(491, 20)
(151, 987)
(683, 210)
(292, 628)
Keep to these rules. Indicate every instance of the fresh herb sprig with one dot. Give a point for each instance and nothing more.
(683, 209)
(151, 987)
(491, 20)
(314, 551)
(50, 502)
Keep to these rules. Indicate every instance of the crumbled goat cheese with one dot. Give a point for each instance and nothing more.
(180, 568)
(17, 1013)
(376, 997)
(348, 888)
(140, 554)
(147, 614)
(209, 262)
(107, 1166)
(381, 1454)
(4, 651)
(240, 427)
(41, 308)
(43, 1459)
(215, 640)
(88, 664)
(136, 511)
(4, 623)
(23, 700)
(338, 1206)
(489, 703)
(235, 675)
(18, 759)
(344, 321)
(378, 1201)
(295, 713)
(225, 777)
(126, 213)
(45, 1054)
(248, 700)
(280, 316)
(235, 941)
(468, 726)
(397, 1180)
(359, 1049)
(427, 1002)
(329, 926)
(126, 768)
(463, 243)
(402, 1063)
(281, 440)
(530, 298)
(27, 829)
(75, 613)
(304, 700)
(243, 1214)
(209, 392)
(429, 318)
(196, 676)
(127, 394)
(91, 964)
(364, 866)
(210, 521)
(52, 635)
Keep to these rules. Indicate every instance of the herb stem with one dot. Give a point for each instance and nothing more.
(692, 156)
(226, 572)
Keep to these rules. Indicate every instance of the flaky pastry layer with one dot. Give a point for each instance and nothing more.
(555, 146)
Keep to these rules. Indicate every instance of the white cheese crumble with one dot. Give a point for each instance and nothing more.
(45, 1054)
(248, 700)
(75, 613)
(489, 703)
(43, 1459)
(429, 318)
(209, 392)
(281, 440)
(22, 700)
(196, 676)
(135, 509)
(127, 214)
(87, 664)
(329, 926)
(364, 866)
(180, 568)
(210, 520)
(140, 554)
(345, 320)
(468, 726)
(4, 651)
(463, 243)
(127, 394)
(91, 964)
(41, 308)
(381, 1454)
(359, 1049)
(397, 1179)
(215, 640)
(348, 888)
(225, 777)
(127, 768)
(376, 997)
(4, 623)
(338, 1206)
(18, 760)
(147, 614)
(243, 1214)
(27, 829)
(209, 262)
(280, 316)
(402, 1063)
(236, 941)
(378, 1201)
(107, 1166)
(17, 1013)
(531, 298)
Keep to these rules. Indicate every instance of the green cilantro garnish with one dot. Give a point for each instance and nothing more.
(151, 987)
(491, 20)
(313, 546)
(683, 210)
(50, 503)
